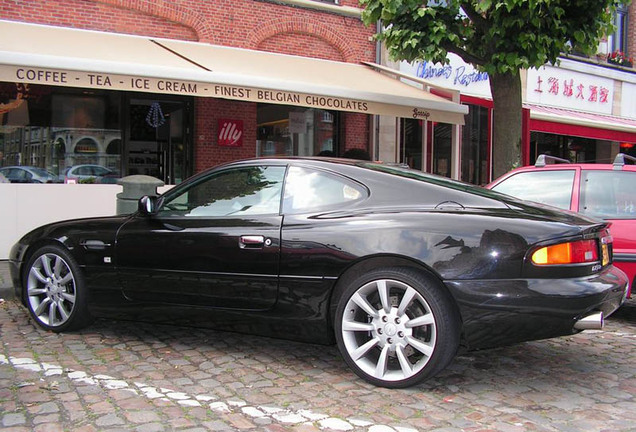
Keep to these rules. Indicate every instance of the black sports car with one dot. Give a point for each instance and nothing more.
(400, 268)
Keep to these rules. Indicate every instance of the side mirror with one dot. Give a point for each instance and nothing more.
(147, 205)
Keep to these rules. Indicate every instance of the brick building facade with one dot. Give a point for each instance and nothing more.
(321, 30)
(631, 29)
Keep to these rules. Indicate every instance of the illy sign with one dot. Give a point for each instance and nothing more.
(230, 133)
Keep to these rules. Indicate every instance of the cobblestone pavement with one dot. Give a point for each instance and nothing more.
(122, 376)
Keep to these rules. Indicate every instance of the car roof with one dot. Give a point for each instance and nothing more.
(22, 167)
(548, 163)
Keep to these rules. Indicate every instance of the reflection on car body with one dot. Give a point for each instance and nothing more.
(401, 269)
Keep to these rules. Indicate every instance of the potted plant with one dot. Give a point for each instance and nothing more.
(619, 58)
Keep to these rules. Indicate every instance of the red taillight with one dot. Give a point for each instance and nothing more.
(578, 252)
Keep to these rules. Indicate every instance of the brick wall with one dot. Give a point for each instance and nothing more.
(208, 112)
(252, 24)
(92, 15)
(356, 131)
(313, 46)
(237, 23)
(631, 32)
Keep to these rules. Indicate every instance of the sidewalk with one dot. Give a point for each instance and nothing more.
(6, 287)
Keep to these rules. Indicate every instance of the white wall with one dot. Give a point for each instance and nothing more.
(27, 206)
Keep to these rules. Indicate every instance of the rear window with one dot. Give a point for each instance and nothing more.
(547, 187)
(307, 189)
(608, 194)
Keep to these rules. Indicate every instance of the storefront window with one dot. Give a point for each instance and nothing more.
(89, 136)
(294, 131)
(56, 129)
(442, 145)
(411, 143)
(475, 146)
(575, 149)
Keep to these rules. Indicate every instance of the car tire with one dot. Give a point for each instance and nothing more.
(396, 327)
(54, 290)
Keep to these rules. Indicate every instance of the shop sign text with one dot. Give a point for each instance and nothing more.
(230, 133)
(123, 82)
(458, 75)
(591, 93)
(455, 74)
(118, 82)
(570, 89)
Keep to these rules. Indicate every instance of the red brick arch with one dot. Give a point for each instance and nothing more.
(169, 11)
(304, 26)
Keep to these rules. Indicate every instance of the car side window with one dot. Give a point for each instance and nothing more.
(547, 187)
(608, 194)
(307, 189)
(18, 175)
(13, 174)
(234, 192)
(85, 170)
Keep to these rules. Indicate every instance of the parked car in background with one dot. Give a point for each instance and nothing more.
(28, 174)
(324, 250)
(89, 173)
(605, 191)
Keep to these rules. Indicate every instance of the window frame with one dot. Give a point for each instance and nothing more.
(608, 190)
(174, 194)
(572, 190)
(346, 181)
(619, 39)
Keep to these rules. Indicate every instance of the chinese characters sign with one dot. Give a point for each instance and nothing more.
(568, 89)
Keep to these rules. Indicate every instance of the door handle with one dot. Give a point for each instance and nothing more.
(251, 241)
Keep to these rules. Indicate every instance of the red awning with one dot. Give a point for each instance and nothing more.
(562, 121)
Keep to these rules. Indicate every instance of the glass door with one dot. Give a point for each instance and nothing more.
(442, 149)
(411, 143)
(157, 138)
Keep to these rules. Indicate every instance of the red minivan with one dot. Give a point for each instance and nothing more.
(606, 191)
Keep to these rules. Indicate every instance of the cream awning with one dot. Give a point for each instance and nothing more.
(59, 56)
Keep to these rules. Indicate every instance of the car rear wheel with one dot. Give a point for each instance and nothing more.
(396, 327)
(54, 290)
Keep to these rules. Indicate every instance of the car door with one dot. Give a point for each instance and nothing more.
(555, 187)
(213, 242)
(18, 175)
(609, 195)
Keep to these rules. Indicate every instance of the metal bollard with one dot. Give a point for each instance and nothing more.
(134, 187)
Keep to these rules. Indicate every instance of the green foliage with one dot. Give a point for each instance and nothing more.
(496, 36)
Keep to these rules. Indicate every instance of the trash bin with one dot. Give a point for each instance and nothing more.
(134, 187)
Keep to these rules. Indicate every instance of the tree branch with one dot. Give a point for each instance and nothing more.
(480, 22)
(466, 56)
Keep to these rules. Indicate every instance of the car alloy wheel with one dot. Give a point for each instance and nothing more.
(395, 328)
(54, 293)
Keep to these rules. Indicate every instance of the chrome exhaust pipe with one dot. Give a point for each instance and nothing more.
(593, 321)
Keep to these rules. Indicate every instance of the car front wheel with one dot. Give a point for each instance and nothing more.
(396, 327)
(54, 290)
